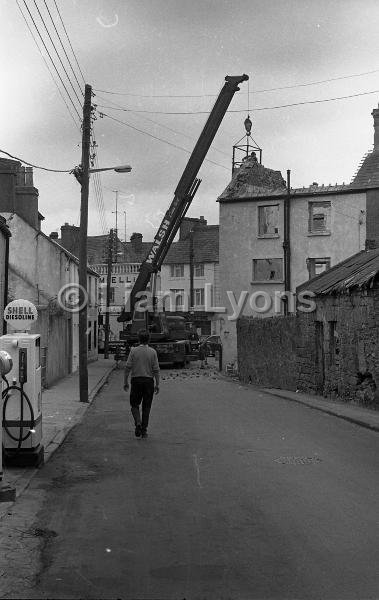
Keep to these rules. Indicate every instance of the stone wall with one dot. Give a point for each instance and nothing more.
(267, 351)
(332, 351)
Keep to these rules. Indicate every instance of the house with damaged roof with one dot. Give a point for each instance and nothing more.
(273, 238)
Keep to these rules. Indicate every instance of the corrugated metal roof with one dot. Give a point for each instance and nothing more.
(205, 246)
(357, 271)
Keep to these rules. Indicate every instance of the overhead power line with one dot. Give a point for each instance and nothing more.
(35, 166)
(72, 49)
(57, 53)
(52, 61)
(48, 68)
(284, 87)
(206, 112)
(63, 48)
(160, 139)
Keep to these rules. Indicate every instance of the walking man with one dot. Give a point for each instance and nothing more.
(143, 365)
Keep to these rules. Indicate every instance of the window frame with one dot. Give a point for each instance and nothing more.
(173, 269)
(275, 280)
(259, 209)
(311, 265)
(314, 204)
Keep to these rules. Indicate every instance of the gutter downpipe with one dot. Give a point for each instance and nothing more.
(287, 245)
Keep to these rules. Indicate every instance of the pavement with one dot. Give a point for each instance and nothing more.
(61, 411)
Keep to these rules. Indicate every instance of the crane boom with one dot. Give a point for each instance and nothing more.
(186, 188)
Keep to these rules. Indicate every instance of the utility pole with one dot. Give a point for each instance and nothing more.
(191, 258)
(124, 235)
(108, 297)
(84, 181)
(116, 211)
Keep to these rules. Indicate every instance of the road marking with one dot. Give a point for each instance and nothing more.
(197, 469)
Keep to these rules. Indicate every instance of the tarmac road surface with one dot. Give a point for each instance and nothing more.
(234, 495)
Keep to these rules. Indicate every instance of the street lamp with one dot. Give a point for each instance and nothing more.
(120, 169)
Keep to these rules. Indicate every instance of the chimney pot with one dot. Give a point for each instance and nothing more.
(54, 235)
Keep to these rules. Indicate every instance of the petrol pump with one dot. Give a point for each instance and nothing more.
(22, 393)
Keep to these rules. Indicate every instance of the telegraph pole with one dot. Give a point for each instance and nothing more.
(108, 297)
(84, 181)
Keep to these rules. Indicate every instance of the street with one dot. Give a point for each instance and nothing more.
(235, 494)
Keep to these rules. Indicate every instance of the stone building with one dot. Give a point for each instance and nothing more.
(38, 270)
(331, 350)
(326, 224)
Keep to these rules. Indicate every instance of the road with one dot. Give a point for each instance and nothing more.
(235, 495)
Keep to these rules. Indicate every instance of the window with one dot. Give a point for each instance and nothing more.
(111, 296)
(89, 340)
(198, 295)
(316, 266)
(177, 270)
(178, 298)
(268, 220)
(268, 269)
(199, 270)
(319, 217)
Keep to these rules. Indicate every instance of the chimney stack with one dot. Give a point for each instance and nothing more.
(54, 235)
(375, 114)
(70, 238)
(189, 223)
(136, 241)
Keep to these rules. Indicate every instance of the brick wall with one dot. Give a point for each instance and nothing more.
(331, 352)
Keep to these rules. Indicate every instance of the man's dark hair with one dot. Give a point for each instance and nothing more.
(143, 336)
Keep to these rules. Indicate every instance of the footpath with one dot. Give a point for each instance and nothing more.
(61, 411)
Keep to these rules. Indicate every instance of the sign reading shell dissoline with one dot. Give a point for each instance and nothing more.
(20, 314)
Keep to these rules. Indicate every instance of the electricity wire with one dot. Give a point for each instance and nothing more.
(166, 127)
(161, 140)
(56, 51)
(63, 48)
(204, 112)
(284, 87)
(72, 49)
(47, 66)
(52, 61)
(35, 166)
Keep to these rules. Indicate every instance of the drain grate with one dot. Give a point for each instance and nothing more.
(298, 460)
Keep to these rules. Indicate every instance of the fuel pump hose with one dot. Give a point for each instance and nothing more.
(6, 396)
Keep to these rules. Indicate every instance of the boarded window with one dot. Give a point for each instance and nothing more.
(319, 217)
(316, 266)
(268, 269)
(268, 220)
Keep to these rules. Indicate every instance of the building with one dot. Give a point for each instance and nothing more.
(325, 225)
(126, 261)
(43, 272)
(197, 250)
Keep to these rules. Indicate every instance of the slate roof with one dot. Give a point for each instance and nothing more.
(368, 172)
(357, 271)
(205, 246)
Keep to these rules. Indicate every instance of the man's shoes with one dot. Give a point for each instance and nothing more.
(144, 433)
(138, 430)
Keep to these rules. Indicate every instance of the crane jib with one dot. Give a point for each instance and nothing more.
(160, 236)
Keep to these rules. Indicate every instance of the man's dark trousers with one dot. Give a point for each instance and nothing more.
(142, 390)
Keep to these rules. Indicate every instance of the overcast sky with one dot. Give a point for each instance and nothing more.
(150, 48)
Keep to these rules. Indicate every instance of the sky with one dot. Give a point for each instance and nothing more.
(165, 56)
